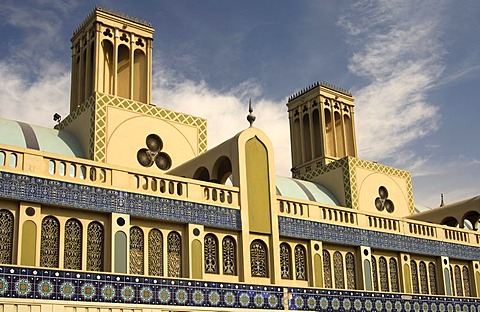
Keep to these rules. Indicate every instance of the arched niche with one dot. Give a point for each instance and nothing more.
(222, 170)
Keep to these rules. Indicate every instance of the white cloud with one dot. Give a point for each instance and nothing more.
(400, 55)
(226, 111)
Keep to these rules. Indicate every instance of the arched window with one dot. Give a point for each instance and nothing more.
(285, 261)
(458, 281)
(229, 256)
(174, 254)
(50, 242)
(466, 281)
(383, 270)
(422, 268)
(155, 252)
(300, 262)
(338, 270)
(374, 274)
(72, 258)
(327, 269)
(6, 236)
(350, 266)
(415, 284)
(432, 278)
(394, 275)
(258, 259)
(95, 246)
(211, 254)
(136, 250)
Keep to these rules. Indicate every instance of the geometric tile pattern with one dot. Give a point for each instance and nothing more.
(78, 286)
(322, 169)
(348, 165)
(52, 192)
(312, 230)
(28, 283)
(328, 300)
(89, 104)
(98, 120)
(104, 100)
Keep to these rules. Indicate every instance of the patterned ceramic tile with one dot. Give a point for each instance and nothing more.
(331, 233)
(16, 282)
(45, 191)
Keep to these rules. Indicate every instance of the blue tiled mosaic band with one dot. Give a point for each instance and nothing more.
(29, 283)
(52, 192)
(331, 233)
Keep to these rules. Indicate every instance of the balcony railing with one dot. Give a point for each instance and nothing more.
(84, 171)
(349, 217)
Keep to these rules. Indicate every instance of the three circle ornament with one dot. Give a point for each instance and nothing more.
(382, 202)
(153, 153)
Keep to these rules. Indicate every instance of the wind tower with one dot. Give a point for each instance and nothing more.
(322, 126)
(111, 54)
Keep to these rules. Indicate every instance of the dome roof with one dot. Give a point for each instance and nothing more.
(43, 139)
(305, 190)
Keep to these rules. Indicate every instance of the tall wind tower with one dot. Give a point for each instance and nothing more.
(111, 54)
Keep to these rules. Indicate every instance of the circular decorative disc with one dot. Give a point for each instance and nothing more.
(154, 143)
(163, 161)
(144, 158)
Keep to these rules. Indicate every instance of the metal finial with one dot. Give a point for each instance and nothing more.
(441, 201)
(250, 118)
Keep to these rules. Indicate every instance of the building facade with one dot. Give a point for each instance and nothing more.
(122, 207)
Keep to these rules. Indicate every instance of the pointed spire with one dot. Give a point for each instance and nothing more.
(441, 200)
(250, 118)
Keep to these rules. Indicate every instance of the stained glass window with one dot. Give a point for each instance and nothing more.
(50, 242)
(350, 265)
(300, 262)
(155, 252)
(432, 277)
(258, 258)
(211, 253)
(95, 242)
(415, 284)
(338, 270)
(136, 250)
(327, 269)
(229, 256)
(73, 245)
(174, 254)
(383, 270)
(6, 236)
(394, 274)
(285, 261)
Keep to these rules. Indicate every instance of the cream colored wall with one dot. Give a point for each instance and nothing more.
(127, 132)
(368, 183)
(333, 181)
(80, 127)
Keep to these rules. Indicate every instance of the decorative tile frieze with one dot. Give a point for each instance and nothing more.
(30, 283)
(58, 193)
(331, 233)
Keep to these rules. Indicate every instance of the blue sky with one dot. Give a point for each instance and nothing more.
(413, 67)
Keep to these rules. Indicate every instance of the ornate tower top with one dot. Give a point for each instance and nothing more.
(111, 54)
(322, 126)
(251, 117)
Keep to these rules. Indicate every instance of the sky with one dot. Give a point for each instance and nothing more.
(412, 66)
